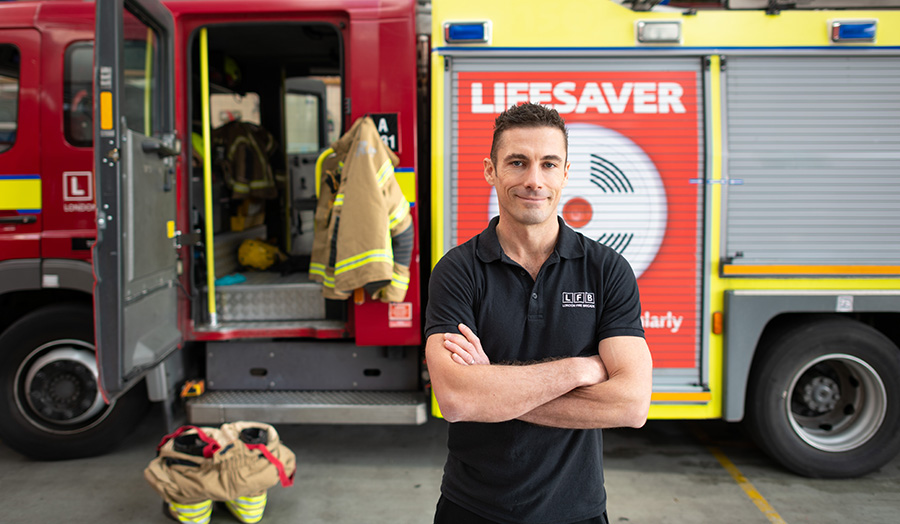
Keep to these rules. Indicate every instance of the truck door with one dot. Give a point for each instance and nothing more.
(135, 262)
(20, 159)
(305, 118)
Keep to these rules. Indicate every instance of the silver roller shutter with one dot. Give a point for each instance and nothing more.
(813, 160)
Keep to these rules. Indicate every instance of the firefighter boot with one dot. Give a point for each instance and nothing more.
(198, 513)
(248, 509)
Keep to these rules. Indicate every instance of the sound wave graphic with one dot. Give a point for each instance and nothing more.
(618, 241)
(608, 177)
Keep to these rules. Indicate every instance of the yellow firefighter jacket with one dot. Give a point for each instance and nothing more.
(362, 219)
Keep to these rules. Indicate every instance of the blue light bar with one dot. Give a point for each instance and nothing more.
(467, 32)
(853, 30)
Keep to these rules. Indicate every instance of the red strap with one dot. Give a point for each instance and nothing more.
(208, 451)
(285, 480)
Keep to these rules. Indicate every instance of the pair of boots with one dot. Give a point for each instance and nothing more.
(246, 509)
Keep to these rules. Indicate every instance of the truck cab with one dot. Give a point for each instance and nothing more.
(196, 136)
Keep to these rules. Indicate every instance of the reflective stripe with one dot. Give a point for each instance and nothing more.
(375, 255)
(248, 509)
(386, 170)
(320, 271)
(317, 269)
(399, 281)
(339, 199)
(192, 513)
(399, 215)
(240, 187)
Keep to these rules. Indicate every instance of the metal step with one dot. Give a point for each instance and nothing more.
(309, 407)
(268, 296)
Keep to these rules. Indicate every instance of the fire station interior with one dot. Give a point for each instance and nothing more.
(274, 105)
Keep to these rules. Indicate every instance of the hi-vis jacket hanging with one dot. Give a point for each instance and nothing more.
(363, 229)
(235, 463)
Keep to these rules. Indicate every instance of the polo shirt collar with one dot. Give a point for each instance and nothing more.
(567, 245)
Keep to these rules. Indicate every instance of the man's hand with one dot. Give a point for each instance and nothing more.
(465, 349)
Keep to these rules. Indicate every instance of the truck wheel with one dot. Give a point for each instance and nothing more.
(50, 402)
(824, 400)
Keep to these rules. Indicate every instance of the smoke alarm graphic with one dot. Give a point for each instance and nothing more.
(615, 194)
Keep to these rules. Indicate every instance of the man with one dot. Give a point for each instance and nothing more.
(534, 343)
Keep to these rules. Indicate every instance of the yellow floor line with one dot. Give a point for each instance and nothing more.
(748, 488)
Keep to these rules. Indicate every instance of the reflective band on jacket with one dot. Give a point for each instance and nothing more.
(319, 270)
(398, 215)
(374, 255)
(339, 199)
(385, 172)
(399, 281)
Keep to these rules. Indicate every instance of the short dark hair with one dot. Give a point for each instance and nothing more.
(527, 115)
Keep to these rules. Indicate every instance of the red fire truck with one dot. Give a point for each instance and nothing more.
(743, 159)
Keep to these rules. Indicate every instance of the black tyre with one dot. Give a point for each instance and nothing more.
(824, 399)
(50, 402)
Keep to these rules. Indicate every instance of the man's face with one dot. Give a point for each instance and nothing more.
(530, 173)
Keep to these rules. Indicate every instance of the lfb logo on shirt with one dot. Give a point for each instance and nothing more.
(577, 299)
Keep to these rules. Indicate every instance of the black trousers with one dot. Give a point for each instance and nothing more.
(450, 513)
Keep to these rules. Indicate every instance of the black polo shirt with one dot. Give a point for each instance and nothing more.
(514, 471)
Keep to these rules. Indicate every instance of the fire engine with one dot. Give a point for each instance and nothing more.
(743, 157)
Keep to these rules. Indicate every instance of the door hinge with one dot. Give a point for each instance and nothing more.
(187, 239)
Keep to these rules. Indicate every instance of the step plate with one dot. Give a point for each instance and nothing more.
(310, 407)
(267, 296)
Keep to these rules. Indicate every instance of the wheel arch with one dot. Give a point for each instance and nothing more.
(30, 284)
(752, 318)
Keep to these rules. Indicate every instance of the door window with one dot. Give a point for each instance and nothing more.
(78, 107)
(302, 121)
(9, 94)
(142, 104)
(142, 81)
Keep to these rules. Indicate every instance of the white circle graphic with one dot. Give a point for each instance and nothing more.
(615, 194)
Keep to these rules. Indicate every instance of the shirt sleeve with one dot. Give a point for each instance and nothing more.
(451, 296)
(621, 314)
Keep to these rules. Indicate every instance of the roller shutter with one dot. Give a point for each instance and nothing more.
(813, 161)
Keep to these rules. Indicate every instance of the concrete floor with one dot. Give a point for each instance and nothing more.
(664, 473)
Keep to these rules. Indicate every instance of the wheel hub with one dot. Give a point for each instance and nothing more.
(821, 394)
(838, 402)
(60, 385)
(62, 391)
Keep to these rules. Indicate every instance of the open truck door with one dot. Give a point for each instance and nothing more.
(135, 259)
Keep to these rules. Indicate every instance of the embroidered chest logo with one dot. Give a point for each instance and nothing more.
(577, 299)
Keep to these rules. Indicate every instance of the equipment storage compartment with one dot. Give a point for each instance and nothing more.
(264, 94)
(310, 366)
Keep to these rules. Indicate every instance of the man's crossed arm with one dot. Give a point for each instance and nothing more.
(611, 389)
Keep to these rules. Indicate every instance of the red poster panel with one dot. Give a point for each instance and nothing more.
(634, 147)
